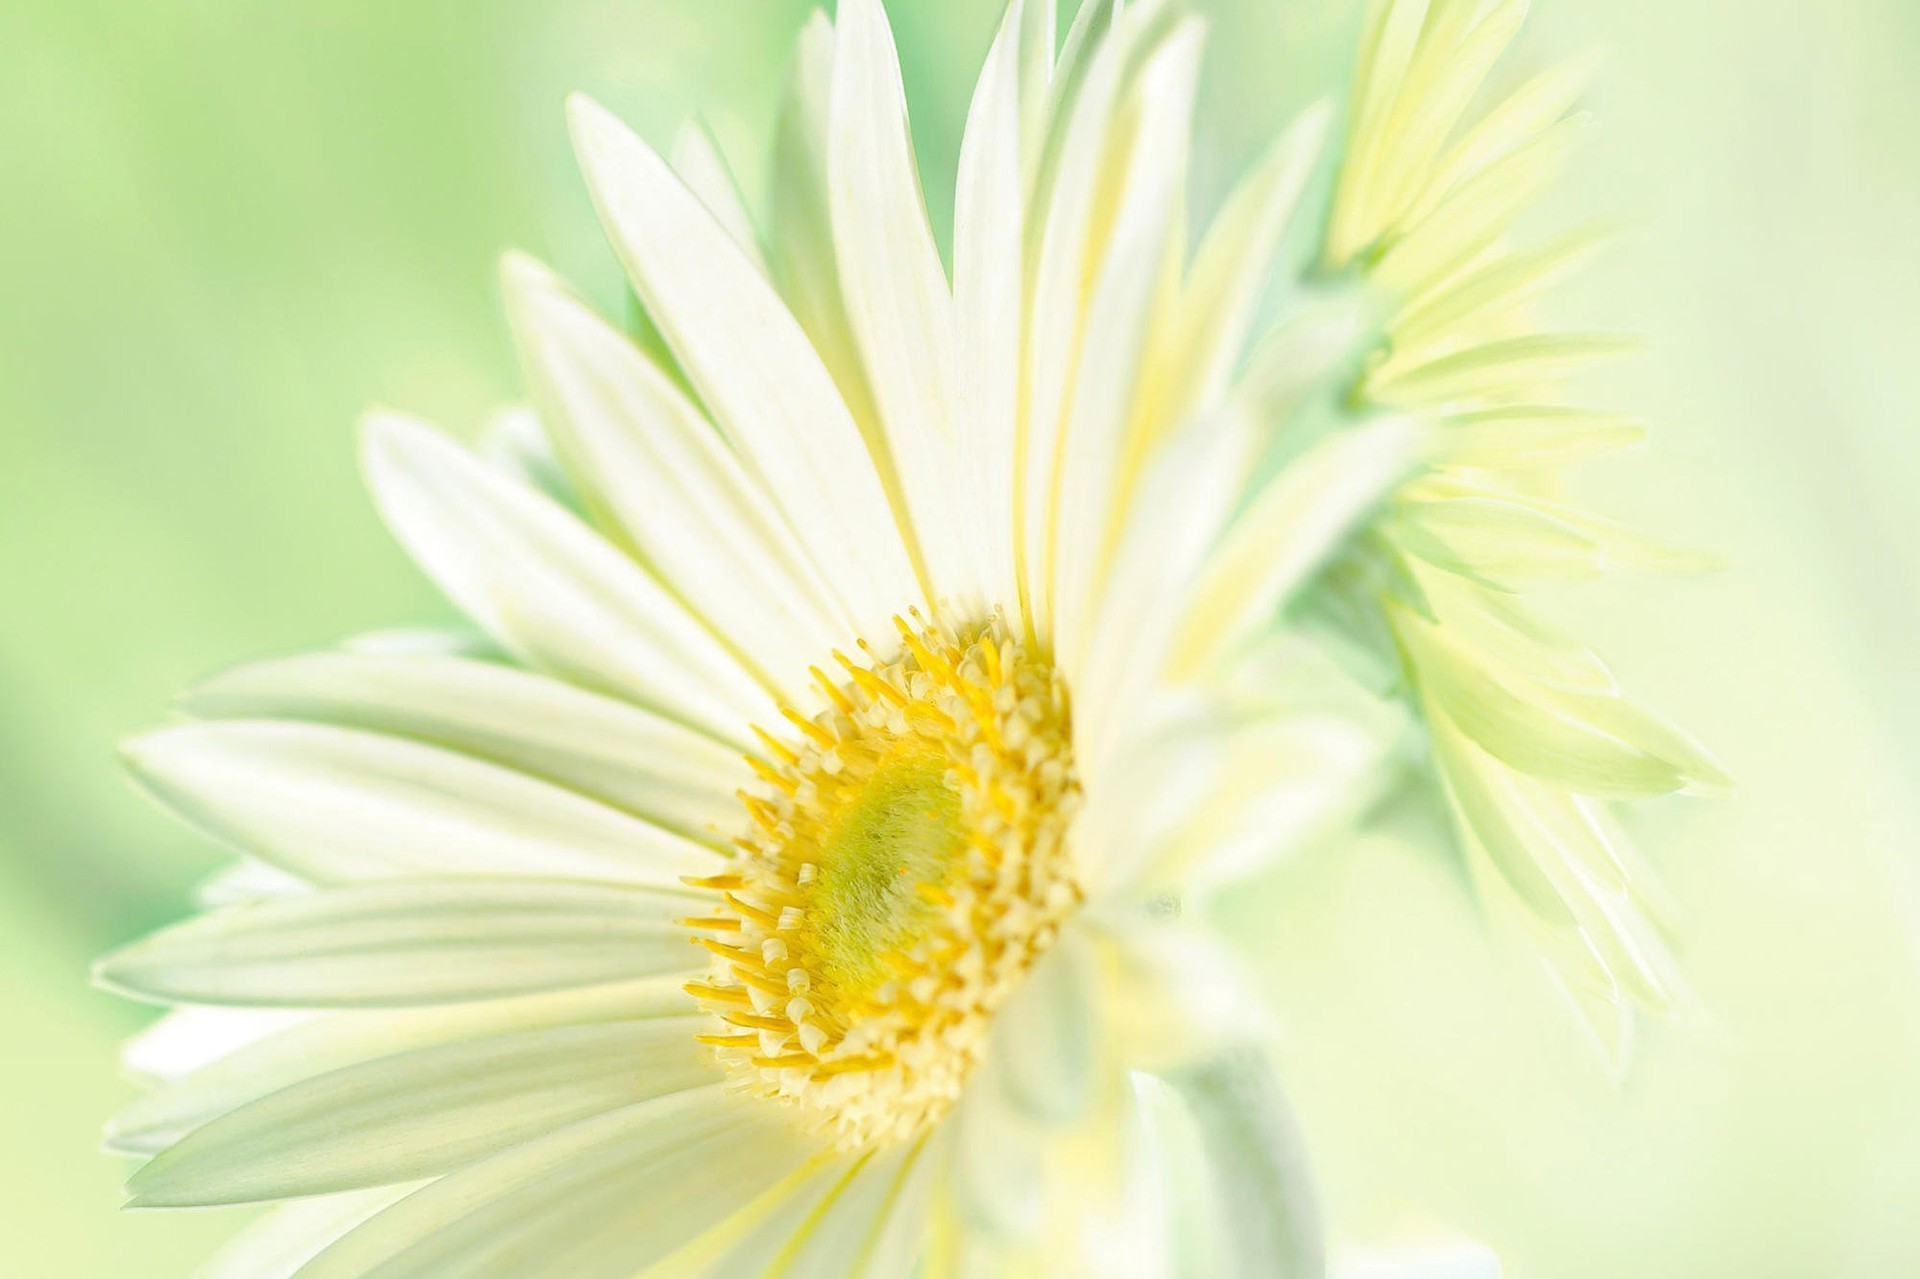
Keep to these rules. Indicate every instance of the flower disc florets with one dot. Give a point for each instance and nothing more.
(905, 865)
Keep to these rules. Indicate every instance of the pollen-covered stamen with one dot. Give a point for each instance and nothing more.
(904, 864)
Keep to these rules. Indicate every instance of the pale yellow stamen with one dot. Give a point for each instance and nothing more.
(904, 865)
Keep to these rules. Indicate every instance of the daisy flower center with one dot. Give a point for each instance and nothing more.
(905, 864)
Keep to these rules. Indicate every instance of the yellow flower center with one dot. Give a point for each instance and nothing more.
(904, 867)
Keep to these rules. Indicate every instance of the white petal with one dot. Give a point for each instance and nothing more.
(1562, 859)
(1479, 211)
(410, 942)
(1492, 290)
(1259, 1168)
(184, 1040)
(1458, 47)
(1131, 283)
(548, 587)
(290, 1235)
(1234, 800)
(337, 804)
(1174, 997)
(515, 441)
(602, 1199)
(1528, 111)
(751, 365)
(1509, 635)
(989, 199)
(1292, 526)
(247, 879)
(1189, 485)
(316, 1045)
(898, 307)
(1527, 436)
(1047, 1035)
(426, 641)
(1038, 33)
(423, 1113)
(602, 747)
(1186, 493)
(1591, 743)
(697, 159)
(800, 230)
(1492, 370)
(654, 464)
(998, 1176)
(1069, 221)
(903, 1234)
(1357, 218)
(1194, 353)
(840, 1240)
(754, 1238)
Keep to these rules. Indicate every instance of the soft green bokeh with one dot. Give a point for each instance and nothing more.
(226, 227)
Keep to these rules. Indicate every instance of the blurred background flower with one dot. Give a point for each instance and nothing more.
(229, 227)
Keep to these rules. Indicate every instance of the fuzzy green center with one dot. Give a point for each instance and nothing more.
(893, 842)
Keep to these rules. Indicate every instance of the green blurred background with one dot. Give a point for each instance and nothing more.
(225, 227)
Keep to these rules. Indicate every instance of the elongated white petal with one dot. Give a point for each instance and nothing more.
(338, 804)
(1459, 46)
(1048, 1034)
(1527, 112)
(316, 1045)
(186, 1039)
(653, 463)
(902, 1236)
(1521, 437)
(800, 233)
(1562, 863)
(1386, 49)
(289, 1236)
(1174, 996)
(1125, 292)
(423, 1113)
(247, 879)
(410, 942)
(1238, 799)
(548, 587)
(988, 286)
(1186, 492)
(751, 365)
(601, 747)
(515, 441)
(1505, 282)
(1259, 1169)
(998, 1177)
(755, 1237)
(1293, 524)
(1496, 367)
(1507, 539)
(1510, 635)
(1593, 744)
(1068, 227)
(898, 305)
(839, 1242)
(1495, 541)
(1480, 211)
(602, 1199)
(698, 161)
(1206, 334)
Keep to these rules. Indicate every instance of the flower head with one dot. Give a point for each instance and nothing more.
(1528, 729)
(792, 880)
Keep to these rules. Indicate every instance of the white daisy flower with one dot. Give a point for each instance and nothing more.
(799, 888)
(1529, 731)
